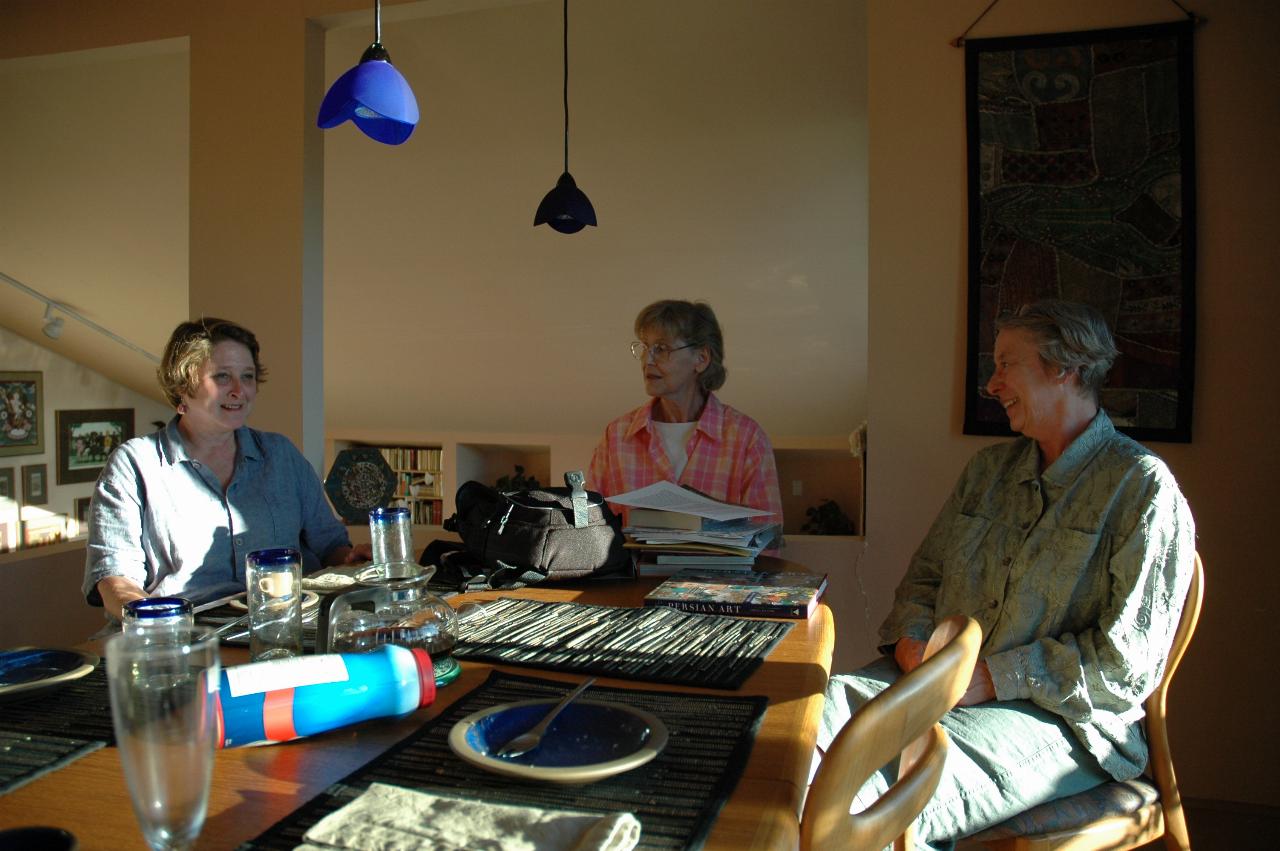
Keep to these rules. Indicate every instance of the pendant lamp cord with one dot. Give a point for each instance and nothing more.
(377, 21)
(958, 41)
(566, 86)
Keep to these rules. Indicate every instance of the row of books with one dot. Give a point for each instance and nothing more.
(426, 512)
(410, 458)
(405, 486)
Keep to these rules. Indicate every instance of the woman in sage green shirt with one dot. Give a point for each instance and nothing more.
(1073, 548)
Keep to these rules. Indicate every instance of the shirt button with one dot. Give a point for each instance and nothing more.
(995, 604)
(239, 542)
(1008, 560)
(1026, 526)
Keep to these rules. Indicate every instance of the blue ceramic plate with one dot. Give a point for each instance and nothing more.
(27, 668)
(588, 741)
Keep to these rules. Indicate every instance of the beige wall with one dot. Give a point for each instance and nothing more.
(917, 309)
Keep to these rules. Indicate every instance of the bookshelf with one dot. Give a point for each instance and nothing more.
(419, 480)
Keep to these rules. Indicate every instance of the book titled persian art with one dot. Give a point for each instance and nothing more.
(751, 593)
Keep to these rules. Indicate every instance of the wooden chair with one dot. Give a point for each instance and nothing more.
(904, 717)
(1114, 815)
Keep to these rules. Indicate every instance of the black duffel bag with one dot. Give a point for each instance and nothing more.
(530, 536)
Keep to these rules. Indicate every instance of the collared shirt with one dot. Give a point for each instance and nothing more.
(161, 518)
(1077, 576)
(730, 458)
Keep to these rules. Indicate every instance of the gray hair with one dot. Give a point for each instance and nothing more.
(696, 324)
(1069, 335)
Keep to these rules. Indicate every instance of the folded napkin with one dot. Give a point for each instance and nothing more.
(389, 818)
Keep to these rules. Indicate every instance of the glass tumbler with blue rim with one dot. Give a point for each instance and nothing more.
(274, 580)
(391, 535)
(156, 618)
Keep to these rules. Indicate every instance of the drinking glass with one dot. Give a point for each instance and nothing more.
(163, 705)
(274, 578)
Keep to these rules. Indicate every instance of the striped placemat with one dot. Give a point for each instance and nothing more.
(655, 644)
(676, 797)
(27, 756)
(44, 729)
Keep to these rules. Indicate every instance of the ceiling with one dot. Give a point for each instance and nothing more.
(724, 149)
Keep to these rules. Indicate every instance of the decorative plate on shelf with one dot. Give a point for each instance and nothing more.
(588, 741)
(360, 481)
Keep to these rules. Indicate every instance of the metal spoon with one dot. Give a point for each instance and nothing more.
(531, 738)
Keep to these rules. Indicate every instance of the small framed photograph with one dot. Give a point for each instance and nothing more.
(82, 504)
(35, 484)
(81, 515)
(21, 413)
(86, 438)
(6, 484)
(42, 531)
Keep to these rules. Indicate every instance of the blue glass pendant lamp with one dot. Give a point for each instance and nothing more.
(373, 95)
(566, 208)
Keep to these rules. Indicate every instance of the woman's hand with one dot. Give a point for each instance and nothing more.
(116, 591)
(360, 553)
(908, 653)
(981, 688)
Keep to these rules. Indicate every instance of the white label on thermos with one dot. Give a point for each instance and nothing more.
(277, 674)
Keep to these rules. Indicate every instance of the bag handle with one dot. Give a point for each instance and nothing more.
(576, 482)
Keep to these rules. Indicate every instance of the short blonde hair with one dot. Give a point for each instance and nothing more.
(695, 323)
(1068, 335)
(191, 345)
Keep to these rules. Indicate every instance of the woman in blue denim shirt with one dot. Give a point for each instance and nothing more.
(176, 512)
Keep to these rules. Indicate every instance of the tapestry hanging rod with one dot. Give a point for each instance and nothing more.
(958, 41)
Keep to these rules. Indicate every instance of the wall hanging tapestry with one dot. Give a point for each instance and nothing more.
(1082, 187)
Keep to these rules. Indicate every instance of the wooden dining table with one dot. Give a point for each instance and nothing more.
(253, 788)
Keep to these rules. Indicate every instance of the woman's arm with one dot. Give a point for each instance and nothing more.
(116, 591)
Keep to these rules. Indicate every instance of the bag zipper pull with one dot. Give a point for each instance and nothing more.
(502, 524)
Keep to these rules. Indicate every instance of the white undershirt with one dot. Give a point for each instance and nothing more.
(675, 437)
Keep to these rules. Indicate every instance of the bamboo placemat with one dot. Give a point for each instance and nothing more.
(676, 797)
(654, 644)
(45, 729)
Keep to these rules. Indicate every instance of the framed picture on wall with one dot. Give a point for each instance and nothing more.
(21, 413)
(86, 438)
(6, 484)
(82, 514)
(42, 531)
(35, 484)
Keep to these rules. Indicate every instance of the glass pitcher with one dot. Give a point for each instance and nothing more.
(393, 604)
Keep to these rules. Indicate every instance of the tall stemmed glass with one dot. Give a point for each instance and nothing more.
(163, 703)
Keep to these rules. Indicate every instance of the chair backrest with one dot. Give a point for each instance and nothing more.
(1161, 761)
(880, 730)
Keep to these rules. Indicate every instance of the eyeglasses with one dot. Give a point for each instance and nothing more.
(660, 351)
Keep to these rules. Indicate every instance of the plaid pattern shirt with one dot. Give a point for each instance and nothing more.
(730, 458)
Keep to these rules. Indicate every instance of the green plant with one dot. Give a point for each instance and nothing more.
(518, 482)
(826, 518)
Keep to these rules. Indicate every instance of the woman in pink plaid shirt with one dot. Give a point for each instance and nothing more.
(685, 434)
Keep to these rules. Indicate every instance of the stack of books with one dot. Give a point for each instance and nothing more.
(697, 542)
(670, 528)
